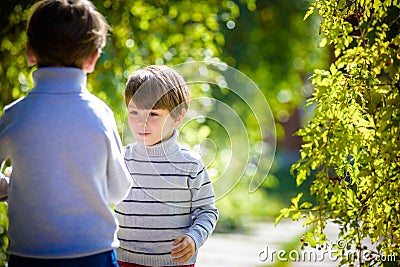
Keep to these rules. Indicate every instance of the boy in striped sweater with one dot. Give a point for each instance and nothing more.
(170, 211)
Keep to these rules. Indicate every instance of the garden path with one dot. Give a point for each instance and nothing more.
(255, 248)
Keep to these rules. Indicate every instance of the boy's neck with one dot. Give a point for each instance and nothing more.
(162, 148)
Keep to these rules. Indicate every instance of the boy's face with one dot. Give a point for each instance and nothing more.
(150, 127)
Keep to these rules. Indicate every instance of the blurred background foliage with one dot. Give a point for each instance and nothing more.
(266, 40)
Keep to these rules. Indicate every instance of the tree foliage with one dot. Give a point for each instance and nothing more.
(351, 146)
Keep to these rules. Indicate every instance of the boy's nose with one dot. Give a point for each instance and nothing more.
(143, 119)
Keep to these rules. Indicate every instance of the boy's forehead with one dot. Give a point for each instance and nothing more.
(133, 106)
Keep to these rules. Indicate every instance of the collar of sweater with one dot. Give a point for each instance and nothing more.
(161, 149)
(59, 80)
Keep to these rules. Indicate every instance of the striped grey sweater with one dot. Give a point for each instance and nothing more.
(171, 195)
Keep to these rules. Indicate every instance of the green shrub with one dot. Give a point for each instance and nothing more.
(351, 147)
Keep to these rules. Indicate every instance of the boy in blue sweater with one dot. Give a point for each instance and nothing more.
(64, 146)
(170, 211)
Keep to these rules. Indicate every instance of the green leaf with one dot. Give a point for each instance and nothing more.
(295, 200)
(296, 216)
(309, 12)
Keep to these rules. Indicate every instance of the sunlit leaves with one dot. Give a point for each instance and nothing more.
(351, 146)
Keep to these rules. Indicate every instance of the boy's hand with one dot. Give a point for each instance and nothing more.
(184, 249)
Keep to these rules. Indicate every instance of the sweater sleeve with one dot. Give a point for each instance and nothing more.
(204, 212)
(118, 177)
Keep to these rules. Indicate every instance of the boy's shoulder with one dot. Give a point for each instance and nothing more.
(99, 103)
(12, 107)
(189, 154)
(13, 104)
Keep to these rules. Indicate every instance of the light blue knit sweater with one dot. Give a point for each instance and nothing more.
(172, 195)
(67, 168)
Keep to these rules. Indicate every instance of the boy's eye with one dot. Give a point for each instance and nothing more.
(153, 114)
(133, 112)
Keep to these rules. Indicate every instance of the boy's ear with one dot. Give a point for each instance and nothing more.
(30, 56)
(89, 64)
(178, 120)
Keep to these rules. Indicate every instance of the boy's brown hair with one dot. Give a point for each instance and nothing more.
(158, 87)
(65, 32)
